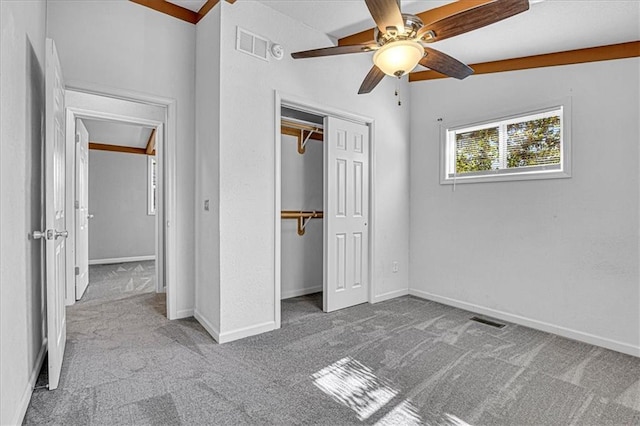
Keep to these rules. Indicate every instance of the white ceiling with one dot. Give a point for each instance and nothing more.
(193, 5)
(116, 133)
(548, 26)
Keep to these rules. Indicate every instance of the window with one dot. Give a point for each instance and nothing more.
(151, 185)
(533, 145)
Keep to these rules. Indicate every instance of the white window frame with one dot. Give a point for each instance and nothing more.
(448, 147)
(151, 185)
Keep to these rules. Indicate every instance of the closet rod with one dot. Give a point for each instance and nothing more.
(303, 217)
(299, 132)
(294, 214)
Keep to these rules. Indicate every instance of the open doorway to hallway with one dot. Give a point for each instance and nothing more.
(123, 195)
(120, 239)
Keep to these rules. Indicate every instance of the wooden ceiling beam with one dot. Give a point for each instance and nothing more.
(180, 12)
(428, 16)
(151, 143)
(117, 148)
(578, 56)
(170, 9)
(206, 8)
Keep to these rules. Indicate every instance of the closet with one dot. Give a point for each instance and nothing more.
(324, 198)
(302, 168)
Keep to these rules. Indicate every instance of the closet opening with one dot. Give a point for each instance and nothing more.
(301, 213)
(324, 192)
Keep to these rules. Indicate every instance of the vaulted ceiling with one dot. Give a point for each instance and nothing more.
(549, 25)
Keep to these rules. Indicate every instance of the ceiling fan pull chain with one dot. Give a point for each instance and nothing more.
(398, 92)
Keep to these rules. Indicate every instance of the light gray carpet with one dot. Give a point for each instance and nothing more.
(401, 362)
(120, 279)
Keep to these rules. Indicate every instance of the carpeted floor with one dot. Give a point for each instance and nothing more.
(401, 362)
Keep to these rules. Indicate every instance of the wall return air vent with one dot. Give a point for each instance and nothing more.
(252, 44)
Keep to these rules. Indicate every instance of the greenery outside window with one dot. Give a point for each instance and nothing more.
(532, 145)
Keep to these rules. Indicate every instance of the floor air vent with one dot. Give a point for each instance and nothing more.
(488, 322)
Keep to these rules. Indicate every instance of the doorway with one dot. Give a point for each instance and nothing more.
(343, 164)
(153, 119)
(116, 209)
(302, 197)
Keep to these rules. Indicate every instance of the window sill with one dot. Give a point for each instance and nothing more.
(506, 177)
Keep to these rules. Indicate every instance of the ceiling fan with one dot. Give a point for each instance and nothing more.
(400, 38)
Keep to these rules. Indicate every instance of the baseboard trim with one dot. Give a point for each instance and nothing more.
(390, 295)
(121, 260)
(241, 333)
(184, 313)
(528, 322)
(26, 395)
(207, 325)
(300, 292)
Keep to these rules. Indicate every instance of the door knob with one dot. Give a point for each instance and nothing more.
(37, 235)
(89, 216)
(58, 234)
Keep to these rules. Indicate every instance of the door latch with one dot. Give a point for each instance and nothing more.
(49, 234)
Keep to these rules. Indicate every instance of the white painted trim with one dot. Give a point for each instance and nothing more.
(390, 295)
(373, 298)
(70, 211)
(306, 105)
(167, 181)
(121, 260)
(214, 332)
(300, 291)
(28, 391)
(184, 313)
(528, 322)
(277, 253)
(167, 197)
(251, 330)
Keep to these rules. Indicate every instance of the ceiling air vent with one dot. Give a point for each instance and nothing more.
(252, 44)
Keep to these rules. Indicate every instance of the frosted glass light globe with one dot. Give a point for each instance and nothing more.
(398, 57)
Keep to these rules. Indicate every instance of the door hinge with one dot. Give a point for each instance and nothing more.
(76, 204)
(77, 138)
(77, 270)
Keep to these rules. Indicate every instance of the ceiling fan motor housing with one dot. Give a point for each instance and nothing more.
(411, 26)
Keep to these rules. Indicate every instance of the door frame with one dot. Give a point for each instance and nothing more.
(166, 235)
(301, 104)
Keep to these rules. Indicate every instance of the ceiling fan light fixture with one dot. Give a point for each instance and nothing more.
(397, 58)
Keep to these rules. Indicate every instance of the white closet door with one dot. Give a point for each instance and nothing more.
(346, 214)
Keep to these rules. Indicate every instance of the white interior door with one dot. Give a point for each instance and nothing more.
(55, 234)
(82, 209)
(346, 214)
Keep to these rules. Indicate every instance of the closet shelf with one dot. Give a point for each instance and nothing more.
(298, 130)
(303, 217)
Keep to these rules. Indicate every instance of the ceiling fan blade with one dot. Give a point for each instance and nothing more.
(371, 80)
(445, 64)
(334, 50)
(386, 13)
(473, 18)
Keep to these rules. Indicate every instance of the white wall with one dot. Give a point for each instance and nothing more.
(207, 303)
(247, 155)
(121, 227)
(560, 255)
(22, 299)
(302, 189)
(122, 45)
